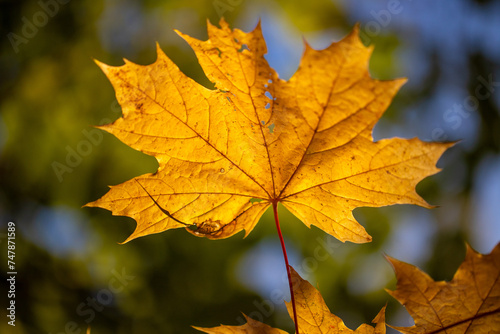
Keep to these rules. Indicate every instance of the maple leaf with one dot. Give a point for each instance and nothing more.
(469, 303)
(226, 155)
(314, 317)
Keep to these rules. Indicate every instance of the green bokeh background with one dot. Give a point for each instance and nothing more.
(52, 93)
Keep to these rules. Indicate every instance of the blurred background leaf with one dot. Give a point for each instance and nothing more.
(71, 270)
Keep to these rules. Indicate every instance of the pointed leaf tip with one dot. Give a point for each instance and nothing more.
(314, 316)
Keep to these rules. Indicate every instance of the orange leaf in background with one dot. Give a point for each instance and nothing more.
(226, 155)
(470, 303)
(314, 317)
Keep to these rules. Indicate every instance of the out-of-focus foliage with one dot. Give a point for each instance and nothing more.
(53, 161)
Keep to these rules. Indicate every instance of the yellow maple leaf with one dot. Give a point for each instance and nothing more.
(469, 303)
(306, 142)
(314, 317)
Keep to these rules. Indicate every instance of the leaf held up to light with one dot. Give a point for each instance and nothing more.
(226, 155)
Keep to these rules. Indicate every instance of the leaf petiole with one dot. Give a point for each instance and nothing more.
(288, 272)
